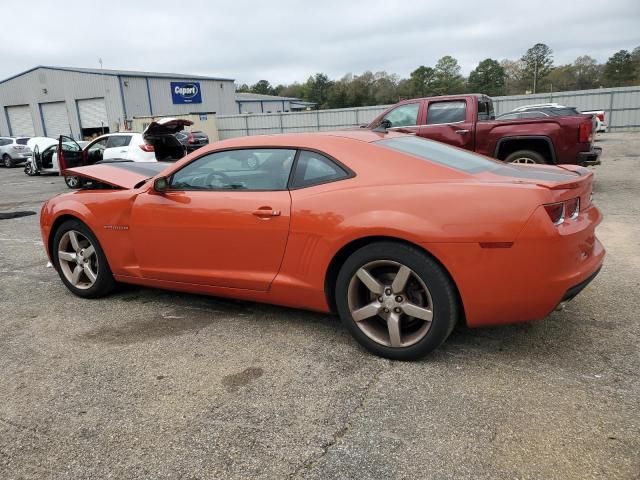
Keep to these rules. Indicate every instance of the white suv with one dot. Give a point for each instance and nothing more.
(14, 150)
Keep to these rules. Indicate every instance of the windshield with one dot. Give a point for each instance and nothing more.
(440, 153)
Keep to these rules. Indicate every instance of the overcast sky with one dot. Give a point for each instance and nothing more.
(284, 41)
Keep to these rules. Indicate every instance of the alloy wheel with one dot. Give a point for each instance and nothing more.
(78, 259)
(390, 303)
(72, 181)
(526, 160)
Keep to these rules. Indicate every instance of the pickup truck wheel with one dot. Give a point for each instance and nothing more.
(525, 156)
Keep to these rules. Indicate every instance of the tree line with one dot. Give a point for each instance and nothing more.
(534, 72)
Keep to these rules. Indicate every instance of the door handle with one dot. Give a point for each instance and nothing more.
(462, 131)
(266, 212)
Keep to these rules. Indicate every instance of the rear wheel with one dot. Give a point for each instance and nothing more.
(396, 300)
(30, 169)
(525, 156)
(6, 160)
(80, 261)
(73, 181)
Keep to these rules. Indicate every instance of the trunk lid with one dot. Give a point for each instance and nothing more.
(166, 126)
(563, 181)
(125, 174)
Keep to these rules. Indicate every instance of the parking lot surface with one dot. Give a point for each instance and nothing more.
(155, 384)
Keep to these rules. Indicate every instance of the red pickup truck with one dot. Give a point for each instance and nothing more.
(468, 121)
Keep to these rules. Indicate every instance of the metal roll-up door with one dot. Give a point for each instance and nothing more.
(93, 113)
(20, 121)
(55, 118)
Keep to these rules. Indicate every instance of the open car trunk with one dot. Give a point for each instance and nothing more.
(167, 147)
(161, 134)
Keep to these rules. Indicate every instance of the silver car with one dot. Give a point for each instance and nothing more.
(14, 150)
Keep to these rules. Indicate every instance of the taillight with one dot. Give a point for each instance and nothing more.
(572, 208)
(190, 139)
(555, 212)
(560, 211)
(147, 147)
(586, 129)
(601, 117)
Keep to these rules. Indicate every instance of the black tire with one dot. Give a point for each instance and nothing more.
(73, 182)
(7, 161)
(443, 293)
(105, 282)
(30, 169)
(533, 157)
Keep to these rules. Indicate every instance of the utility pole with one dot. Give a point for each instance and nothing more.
(104, 87)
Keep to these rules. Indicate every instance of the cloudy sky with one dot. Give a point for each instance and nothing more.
(284, 41)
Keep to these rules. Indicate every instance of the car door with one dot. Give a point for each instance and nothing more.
(69, 154)
(117, 147)
(450, 122)
(405, 118)
(223, 220)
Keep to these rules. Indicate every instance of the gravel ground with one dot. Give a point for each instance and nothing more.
(154, 384)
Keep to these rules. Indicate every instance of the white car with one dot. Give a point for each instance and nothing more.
(156, 143)
(601, 125)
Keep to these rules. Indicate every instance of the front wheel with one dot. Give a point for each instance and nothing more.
(525, 156)
(73, 181)
(396, 300)
(80, 261)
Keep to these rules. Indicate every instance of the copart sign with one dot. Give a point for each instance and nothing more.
(186, 92)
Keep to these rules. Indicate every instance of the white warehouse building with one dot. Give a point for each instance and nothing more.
(80, 102)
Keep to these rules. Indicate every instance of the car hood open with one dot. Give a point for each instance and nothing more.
(164, 126)
(123, 174)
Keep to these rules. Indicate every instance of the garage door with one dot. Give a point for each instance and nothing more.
(20, 121)
(93, 113)
(56, 120)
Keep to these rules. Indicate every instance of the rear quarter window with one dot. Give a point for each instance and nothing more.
(440, 153)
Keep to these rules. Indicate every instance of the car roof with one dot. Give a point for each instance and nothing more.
(300, 139)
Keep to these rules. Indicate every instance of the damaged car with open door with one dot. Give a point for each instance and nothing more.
(156, 144)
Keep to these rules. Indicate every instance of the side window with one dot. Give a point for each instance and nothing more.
(98, 146)
(485, 110)
(251, 169)
(4, 141)
(118, 141)
(533, 115)
(313, 168)
(403, 115)
(446, 112)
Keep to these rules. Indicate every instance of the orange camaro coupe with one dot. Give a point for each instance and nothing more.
(401, 236)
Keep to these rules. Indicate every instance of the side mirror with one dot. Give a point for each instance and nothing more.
(161, 184)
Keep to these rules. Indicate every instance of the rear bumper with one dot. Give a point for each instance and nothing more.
(545, 266)
(590, 158)
(576, 289)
